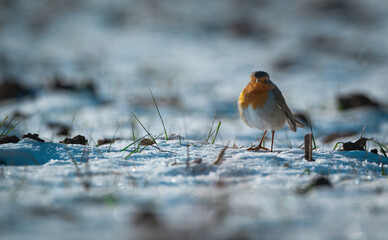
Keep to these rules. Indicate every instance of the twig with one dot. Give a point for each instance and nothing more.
(308, 148)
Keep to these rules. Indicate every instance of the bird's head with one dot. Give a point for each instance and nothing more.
(259, 77)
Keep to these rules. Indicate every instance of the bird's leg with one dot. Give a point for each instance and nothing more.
(262, 139)
(273, 134)
(259, 147)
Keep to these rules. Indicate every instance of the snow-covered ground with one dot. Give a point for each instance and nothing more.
(196, 57)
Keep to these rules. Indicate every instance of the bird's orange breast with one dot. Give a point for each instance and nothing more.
(255, 94)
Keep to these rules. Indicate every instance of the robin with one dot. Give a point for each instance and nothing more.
(262, 105)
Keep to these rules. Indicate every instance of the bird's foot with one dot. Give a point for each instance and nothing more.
(258, 148)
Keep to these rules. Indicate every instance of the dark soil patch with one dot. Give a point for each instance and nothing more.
(146, 218)
(106, 141)
(374, 151)
(317, 182)
(360, 144)
(9, 139)
(61, 84)
(333, 136)
(285, 63)
(61, 129)
(320, 181)
(147, 141)
(9, 89)
(33, 137)
(355, 100)
(20, 115)
(75, 140)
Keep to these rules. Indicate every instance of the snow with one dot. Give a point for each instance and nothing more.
(196, 59)
(250, 192)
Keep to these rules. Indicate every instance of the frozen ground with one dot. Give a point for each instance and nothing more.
(196, 57)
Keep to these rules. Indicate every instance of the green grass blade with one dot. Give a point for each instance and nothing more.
(11, 129)
(160, 116)
(312, 132)
(382, 166)
(306, 170)
(133, 143)
(315, 145)
(4, 133)
(5, 119)
(8, 124)
(336, 145)
(113, 139)
(149, 134)
(73, 160)
(383, 146)
(134, 151)
(382, 149)
(383, 170)
(133, 130)
(218, 128)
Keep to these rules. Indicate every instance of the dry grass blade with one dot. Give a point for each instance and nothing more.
(85, 158)
(234, 143)
(220, 157)
(187, 156)
(363, 131)
(211, 131)
(312, 134)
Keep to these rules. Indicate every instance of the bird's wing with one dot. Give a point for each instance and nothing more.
(281, 104)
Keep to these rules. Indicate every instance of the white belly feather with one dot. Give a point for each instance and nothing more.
(269, 117)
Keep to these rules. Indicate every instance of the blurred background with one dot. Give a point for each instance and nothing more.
(86, 65)
(70, 67)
